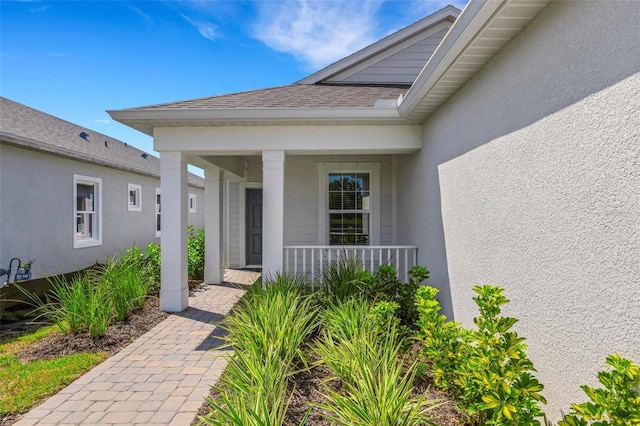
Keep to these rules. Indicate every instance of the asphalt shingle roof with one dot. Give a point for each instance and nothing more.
(292, 96)
(33, 129)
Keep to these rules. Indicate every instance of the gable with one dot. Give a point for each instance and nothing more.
(396, 59)
(399, 64)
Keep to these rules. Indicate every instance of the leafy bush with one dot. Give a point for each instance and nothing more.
(487, 369)
(153, 264)
(617, 404)
(195, 253)
(445, 342)
(385, 285)
(496, 381)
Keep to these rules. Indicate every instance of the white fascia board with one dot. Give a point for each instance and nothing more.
(381, 45)
(473, 18)
(225, 114)
(322, 139)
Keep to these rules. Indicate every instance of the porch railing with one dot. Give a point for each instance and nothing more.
(311, 260)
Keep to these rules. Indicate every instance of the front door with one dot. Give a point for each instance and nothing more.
(254, 226)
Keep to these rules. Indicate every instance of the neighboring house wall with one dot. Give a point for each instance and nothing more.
(529, 180)
(195, 218)
(37, 219)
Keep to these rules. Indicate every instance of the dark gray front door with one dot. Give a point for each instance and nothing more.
(254, 226)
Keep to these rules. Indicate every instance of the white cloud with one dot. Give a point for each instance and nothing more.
(206, 29)
(140, 13)
(317, 32)
(102, 120)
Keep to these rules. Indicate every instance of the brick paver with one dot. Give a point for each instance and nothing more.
(160, 378)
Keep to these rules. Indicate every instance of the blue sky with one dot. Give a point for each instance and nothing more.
(76, 59)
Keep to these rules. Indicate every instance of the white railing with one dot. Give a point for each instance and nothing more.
(311, 260)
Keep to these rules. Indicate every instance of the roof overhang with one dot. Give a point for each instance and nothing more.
(145, 120)
(480, 32)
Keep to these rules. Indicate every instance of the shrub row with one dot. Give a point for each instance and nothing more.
(489, 372)
(265, 333)
(96, 298)
(364, 324)
(362, 346)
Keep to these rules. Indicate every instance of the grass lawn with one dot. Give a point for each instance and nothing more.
(26, 384)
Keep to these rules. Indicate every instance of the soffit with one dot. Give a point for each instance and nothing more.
(482, 30)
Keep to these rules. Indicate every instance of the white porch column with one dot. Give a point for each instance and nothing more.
(272, 211)
(213, 225)
(174, 291)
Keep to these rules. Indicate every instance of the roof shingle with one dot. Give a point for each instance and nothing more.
(33, 129)
(292, 96)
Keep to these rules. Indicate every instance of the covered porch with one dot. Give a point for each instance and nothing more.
(294, 177)
(292, 211)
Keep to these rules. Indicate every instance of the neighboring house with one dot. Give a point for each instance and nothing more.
(512, 159)
(71, 197)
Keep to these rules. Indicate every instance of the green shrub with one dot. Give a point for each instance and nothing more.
(617, 404)
(375, 391)
(265, 333)
(82, 305)
(445, 342)
(195, 253)
(153, 264)
(386, 286)
(344, 278)
(496, 382)
(127, 281)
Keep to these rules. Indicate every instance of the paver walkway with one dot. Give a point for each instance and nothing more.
(159, 379)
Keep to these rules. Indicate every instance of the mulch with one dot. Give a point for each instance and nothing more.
(307, 389)
(118, 336)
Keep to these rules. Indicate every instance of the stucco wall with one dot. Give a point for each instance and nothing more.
(529, 179)
(37, 211)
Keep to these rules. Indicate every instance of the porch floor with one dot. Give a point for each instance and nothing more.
(159, 379)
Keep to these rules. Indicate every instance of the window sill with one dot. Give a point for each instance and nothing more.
(86, 243)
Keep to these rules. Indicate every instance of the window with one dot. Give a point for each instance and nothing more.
(349, 203)
(349, 208)
(192, 203)
(158, 213)
(135, 198)
(87, 212)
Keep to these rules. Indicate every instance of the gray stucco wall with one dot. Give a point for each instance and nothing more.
(529, 179)
(37, 211)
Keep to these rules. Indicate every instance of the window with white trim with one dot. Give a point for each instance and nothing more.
(135, 198)
(87, 211)
(192, 203)
(349, 203)
(349, 208)
(158, 212)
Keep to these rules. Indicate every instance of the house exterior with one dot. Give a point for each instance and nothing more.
(510, 157)
(71, 197)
